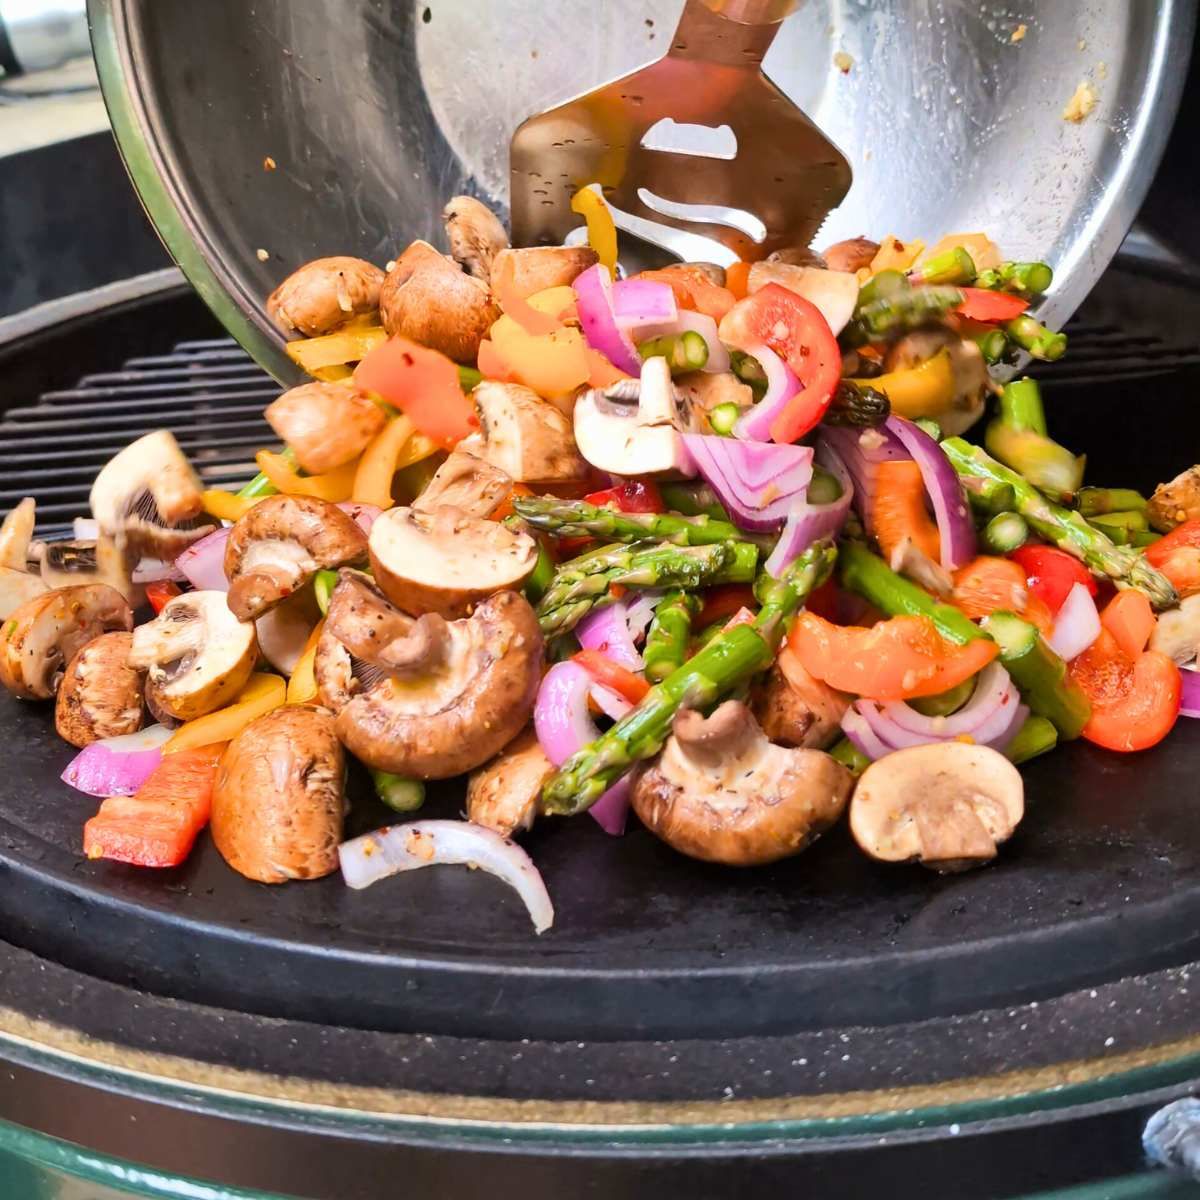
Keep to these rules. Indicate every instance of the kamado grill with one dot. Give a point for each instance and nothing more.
(826, 1024)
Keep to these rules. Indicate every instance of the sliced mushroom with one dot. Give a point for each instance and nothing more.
(326, 424)
(1177, 633)
(17, 583)
(505, 794)
(526, 437)
(797, 710)
(277, 546)
(721, 792)
(196, 653)
(100, 695)
(279, 802)
(149, 500)
(427, 297)
(971, 379)
(324, 294)
(634, 427)
(475, 233)
(69, 564)
(284, 630)
(854, 254)
(444, 561)
(42, 636)
(1176, 501)
(466, 482)
(440, 697)
(835, 293)
(533, 269)
(947, 805)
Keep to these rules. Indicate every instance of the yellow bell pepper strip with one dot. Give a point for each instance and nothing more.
(335, 349)
(225, 506)
(602, 232)
(332, 374)
(335, 485)
(983, 251)
(552, 364)
(395, 447)
(302, 687)
(924, 391)
(261, 694)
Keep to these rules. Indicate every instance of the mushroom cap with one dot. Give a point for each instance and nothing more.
(796, 709)
(279, 544)
(450, 720)
(946, 805)
(427, 298)
(42, 636)
(722, 793)
(851, 255)
(148, 498)
(17, 588)
(466, 482)
(526, 437)
(1175, 501)
(324, 294)
(475, 234)
(284, 630)
(1177, 633)
(71, 563)
(444, 561)
(279, 801)
(971, 379)
(196, 653)
(505, 794)
(532, 269)
(101, 694)
(835, 293)
(326, 424)
(16, 532)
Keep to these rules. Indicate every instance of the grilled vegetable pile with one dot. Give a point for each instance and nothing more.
(705, 544)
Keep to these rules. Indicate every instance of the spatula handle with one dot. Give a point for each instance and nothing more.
(753, 12)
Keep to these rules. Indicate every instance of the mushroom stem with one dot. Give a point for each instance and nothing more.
(723, 735)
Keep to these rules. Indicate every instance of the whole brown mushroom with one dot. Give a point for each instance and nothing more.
(17, 583)
(721, 792)
(475, 234)
(531, 269)
(426, 698)
(101, 694)
(526, 437)
(428, 298)
(854, 254)
(325, 424)
(279, 804)
(505, 794)
(42, 636)
(277, 546)
(796, 709)
(324, 294)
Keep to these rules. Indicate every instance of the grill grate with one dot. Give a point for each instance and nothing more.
(210, 394)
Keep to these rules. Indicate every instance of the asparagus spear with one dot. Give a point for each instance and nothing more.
(1005, 532)
(1022, 278)
(1033, 336)
(468, 377)
(955, 267)
(1018, 438)
(398, 793)
(901, 313)
(1039, 673)
(724, 417)
(684, 352)
(850, 756)
(669, 632)
(693, 500)
(1065, 528)
(1021, 406)
(1120, 526)
(882, 286)
(542, 575)
(577, 518)
(732, 657)
(989, 496)
(992, 343)
(1093, 501)
(859, 405)
(585, 582)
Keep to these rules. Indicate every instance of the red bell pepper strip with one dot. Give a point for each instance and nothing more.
(980, 304)
(1135, 701)
(158, 824)
(795, 329)
(160, 591)
(723, 601)
(612, 675)
(633, 496)
(1177, 556)
(423, 385)
(1051, 573)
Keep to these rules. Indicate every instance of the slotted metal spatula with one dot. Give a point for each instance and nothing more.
(701, 140)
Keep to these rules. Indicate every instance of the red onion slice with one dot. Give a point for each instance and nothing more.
(864, 738)
(809, 523)
(862, 451)
(1077, 624)
(363, 515)
(949, 501)
(1189, 693)
(991, 685)
(782, 385)
(607, 630)
(564, 725)
(759, 483)
(639, 303)
(374, 856)
(593, 300)
(203, 562)
(117, 766)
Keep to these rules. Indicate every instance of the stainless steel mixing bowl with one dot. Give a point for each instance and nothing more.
(373, 112)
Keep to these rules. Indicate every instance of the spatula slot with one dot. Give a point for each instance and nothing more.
(708, 214)
(681, 137)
